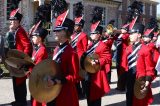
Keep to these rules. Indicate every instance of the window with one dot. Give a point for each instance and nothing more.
(150, 9)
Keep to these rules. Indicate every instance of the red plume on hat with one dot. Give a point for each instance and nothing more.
(60, 12)
(79, 14)
(97, 17)
(14, 12)
(94, 26)
(125, 25)
(34, 28)
(15, 15)
(132, 23)
(148, 31)
(61, 18)
(77, 20)
(151, 27)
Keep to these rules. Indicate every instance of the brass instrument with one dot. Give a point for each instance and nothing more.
(38, 83)
(111, 30)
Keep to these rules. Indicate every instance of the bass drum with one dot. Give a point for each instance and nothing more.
(38, 83)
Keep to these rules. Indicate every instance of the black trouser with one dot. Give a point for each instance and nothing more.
(121, 84)
(94, 103)
(109, 76)
(130, 88)
(80, 89)
(87, 90)
(20, 91)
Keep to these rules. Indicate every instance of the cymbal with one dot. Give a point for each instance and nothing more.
(38, 84)
(138, 86)
(88, 66)
(19, 54)
(14, 64)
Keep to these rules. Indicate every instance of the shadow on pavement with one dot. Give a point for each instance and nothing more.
(115, 92)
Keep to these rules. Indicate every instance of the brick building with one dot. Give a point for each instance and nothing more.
(113, 9)
(149, 9)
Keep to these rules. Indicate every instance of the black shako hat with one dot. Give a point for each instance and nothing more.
(137, 28)
(41, 32)
(15, 15)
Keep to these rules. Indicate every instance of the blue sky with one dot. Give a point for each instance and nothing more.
(158, 7)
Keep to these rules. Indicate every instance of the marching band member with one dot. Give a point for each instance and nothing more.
(122, 43)
(39, 53)
(147, 40)
(109, 36)
(68, 61)
(139, 63)
(79, 41)
(21, 43)
(96, 83)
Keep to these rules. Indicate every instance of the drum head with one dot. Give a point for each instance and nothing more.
(38, 84)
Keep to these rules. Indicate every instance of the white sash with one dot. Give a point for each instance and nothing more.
(55, 57)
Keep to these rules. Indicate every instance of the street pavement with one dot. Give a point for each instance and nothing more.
(113, 98)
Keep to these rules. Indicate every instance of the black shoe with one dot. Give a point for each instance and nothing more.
(81, 96)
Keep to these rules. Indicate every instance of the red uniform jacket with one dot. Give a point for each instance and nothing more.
(122, 50)
(99, 83)
(81, 43)
(124, 46)
(144, 67)
(39, 55)
(155, 52)
(70, 68)
(108, 43)
(22, 44)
